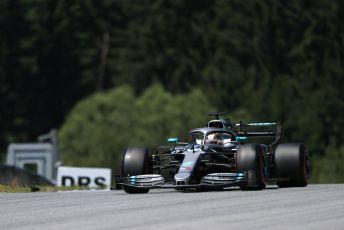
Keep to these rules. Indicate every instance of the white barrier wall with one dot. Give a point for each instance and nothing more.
(38, 155)
(77, 176)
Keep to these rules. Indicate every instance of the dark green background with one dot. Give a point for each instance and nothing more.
(115, 73)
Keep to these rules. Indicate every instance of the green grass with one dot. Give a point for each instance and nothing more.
(34, 188)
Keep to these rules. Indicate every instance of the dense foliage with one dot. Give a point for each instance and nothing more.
(264, 59)
(100, 127)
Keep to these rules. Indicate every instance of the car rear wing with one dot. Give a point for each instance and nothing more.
(243, 130)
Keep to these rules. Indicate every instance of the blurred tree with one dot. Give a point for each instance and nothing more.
(101, 126)
(329, 168)
(53, 53)
(96, 128)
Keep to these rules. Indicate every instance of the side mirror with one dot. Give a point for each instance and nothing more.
(173, 139)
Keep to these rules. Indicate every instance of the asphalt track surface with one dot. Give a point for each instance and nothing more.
(313, 207)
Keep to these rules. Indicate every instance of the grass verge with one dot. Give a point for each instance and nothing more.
(34, 188)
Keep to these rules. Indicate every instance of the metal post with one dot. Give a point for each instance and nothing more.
(53, 139)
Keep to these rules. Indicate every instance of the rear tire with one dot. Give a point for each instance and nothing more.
(250, 159)
(136, 161)
(292, 165)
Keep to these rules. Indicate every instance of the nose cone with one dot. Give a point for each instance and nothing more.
(182, 178)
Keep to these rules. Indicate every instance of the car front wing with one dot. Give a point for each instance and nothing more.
(213, 180)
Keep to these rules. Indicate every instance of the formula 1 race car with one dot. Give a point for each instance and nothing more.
(218, 156)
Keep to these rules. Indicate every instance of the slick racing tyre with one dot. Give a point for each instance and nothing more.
(250, 159)
(292, 165)
(136, 161)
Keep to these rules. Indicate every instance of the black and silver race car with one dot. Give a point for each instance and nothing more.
(218, 156)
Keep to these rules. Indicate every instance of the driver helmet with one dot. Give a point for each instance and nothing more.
(214, 138)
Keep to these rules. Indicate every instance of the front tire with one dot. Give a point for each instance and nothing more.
(250, 159)
(136, 161)
(292, 165)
